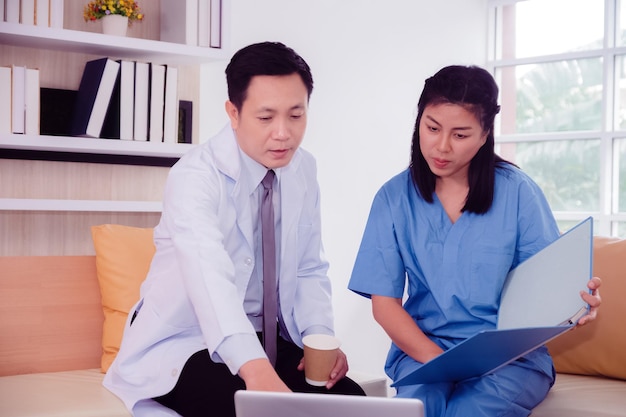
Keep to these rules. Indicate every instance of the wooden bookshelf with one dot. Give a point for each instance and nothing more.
(53, 188)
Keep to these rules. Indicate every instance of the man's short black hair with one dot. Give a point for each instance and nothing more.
(265, 58)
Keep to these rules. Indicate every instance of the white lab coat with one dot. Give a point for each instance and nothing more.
(193, 296)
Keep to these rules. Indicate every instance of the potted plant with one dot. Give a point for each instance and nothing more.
(116, 15)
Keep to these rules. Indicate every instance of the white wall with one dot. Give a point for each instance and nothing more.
(369, 61)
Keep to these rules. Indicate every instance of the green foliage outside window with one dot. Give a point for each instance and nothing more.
(568, 172)
(560, 96)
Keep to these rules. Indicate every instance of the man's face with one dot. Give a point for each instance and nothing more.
(272, 121)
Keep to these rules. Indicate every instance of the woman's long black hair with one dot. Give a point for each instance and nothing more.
(475, 89)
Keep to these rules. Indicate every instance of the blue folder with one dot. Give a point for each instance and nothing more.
(540, 301)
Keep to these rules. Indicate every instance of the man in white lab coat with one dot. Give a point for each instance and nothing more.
(193, 339)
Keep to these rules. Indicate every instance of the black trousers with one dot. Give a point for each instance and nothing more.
(207, 389)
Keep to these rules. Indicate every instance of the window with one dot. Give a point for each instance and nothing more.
(561, 68)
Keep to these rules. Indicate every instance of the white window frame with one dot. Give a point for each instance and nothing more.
(607, 217)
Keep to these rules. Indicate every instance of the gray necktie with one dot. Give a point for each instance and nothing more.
(270, 304)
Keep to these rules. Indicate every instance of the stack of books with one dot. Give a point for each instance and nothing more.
(192, 22)
(47, 13)
(19, 100)
(128, 100)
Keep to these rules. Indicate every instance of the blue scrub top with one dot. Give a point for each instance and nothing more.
(453, 273)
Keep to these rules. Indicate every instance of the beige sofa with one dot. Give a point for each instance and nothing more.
(61, 320)
(591, 360)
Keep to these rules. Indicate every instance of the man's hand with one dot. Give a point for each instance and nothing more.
(259, 375)
(338, 372)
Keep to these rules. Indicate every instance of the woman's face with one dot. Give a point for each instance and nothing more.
(450, 136)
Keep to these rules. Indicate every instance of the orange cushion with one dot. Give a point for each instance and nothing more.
(598, 348)
(123, 256)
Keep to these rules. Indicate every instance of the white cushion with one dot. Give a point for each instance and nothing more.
(59, 394)
(81, 394)
(584, 396)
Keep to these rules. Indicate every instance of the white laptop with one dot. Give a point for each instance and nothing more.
(292, 404)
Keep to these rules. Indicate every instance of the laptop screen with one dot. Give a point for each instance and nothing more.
(291, 404)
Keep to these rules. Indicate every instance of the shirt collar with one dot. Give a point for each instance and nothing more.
(254, 171)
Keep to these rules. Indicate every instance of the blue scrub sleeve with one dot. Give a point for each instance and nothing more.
(537, 227)
(379, 268)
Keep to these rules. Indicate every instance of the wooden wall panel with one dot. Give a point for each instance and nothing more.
(68, 233)
(80, 181)
(34, 233)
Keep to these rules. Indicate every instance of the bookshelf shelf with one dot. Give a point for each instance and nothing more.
(92, 146)
(91, 206)
(67, 40)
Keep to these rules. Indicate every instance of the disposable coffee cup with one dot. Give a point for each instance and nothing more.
(320, 356)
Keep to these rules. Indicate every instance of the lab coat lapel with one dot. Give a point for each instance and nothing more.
(228, 162)
(244, 215)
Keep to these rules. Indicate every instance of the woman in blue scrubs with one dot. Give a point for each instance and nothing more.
(450, 228)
